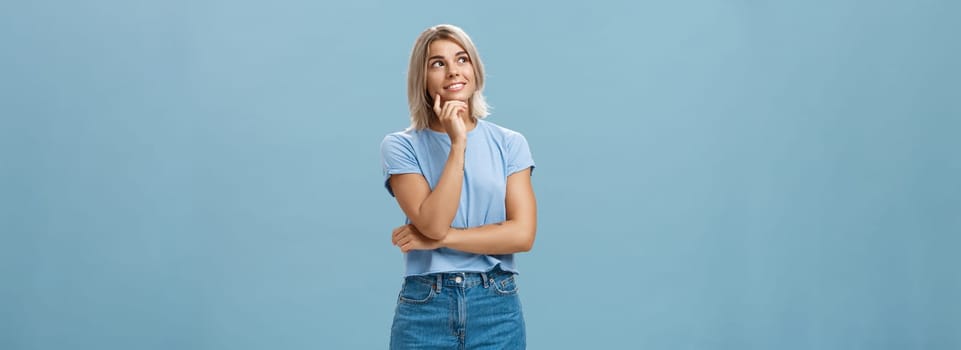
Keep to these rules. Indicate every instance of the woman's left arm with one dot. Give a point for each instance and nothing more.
(514, 235)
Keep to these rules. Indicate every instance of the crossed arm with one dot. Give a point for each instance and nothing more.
(431, 213)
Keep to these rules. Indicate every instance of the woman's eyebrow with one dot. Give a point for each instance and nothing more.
(442, 57)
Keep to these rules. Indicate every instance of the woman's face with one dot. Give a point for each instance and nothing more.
(450, 72)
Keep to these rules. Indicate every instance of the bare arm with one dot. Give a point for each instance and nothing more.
(514, 235)
(433, 211)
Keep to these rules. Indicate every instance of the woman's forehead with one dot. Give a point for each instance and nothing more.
(444, 46)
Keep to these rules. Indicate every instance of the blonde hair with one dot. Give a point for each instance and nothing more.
(419, 101)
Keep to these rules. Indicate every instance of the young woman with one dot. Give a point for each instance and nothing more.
(465, 186)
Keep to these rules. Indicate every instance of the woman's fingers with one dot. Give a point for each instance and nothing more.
(450, 109)
(407, 238)
(404, 241)
(398, 233)
(460, 109)
(457, 106)
(445, 111)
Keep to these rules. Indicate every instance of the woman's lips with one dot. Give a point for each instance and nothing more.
(455, 87)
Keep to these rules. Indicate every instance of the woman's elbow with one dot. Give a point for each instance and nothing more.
(527, 243)
(435, 233)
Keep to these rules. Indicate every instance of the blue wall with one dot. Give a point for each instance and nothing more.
(711, 174)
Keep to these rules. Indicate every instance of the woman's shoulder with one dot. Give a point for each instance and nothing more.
(498, 129)
(404, 138)
(500, 132)
(407, 134)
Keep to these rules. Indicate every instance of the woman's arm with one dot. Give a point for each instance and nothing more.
(514, 235)
(433, 211)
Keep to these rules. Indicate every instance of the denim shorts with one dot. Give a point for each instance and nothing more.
(459, 310)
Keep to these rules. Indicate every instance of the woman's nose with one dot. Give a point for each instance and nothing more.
(453, 72)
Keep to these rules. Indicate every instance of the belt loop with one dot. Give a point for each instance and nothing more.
(439, 282)
(484, 278)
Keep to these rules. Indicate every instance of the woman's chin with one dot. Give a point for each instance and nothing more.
(458, 96)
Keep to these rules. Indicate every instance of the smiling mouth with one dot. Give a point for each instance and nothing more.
(455, 86)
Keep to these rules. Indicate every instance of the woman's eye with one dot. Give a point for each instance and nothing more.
(437, 64)
(462, 59)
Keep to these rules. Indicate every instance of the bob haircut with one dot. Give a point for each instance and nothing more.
(420, 102)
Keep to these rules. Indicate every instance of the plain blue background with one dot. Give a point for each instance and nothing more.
(711, 174)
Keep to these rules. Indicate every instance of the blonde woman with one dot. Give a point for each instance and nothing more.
(464, 184)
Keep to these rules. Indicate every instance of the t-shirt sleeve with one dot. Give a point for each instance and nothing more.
(397, 157)
(518, 154)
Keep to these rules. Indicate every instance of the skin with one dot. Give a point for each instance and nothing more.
(431, 212)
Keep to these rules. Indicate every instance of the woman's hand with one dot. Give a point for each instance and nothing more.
(451, 115)
(407, 238)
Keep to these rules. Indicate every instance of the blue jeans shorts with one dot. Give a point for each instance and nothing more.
(459, 310)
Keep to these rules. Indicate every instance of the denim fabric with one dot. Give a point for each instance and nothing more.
(459, 311)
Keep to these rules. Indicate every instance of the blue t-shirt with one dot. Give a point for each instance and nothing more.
(493, 152)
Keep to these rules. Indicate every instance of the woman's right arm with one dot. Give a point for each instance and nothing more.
(432, 212)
